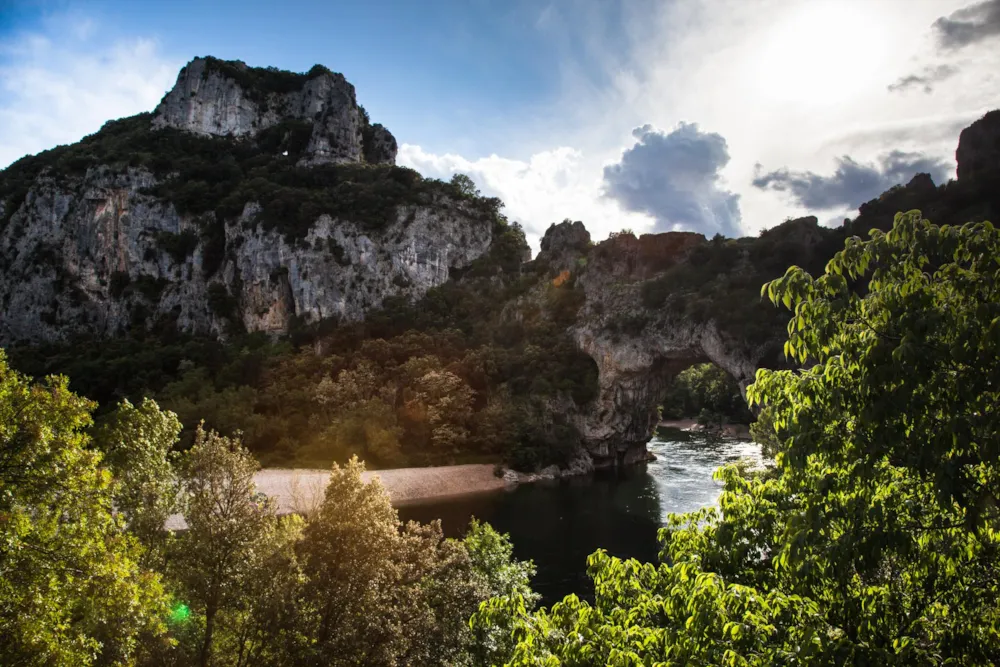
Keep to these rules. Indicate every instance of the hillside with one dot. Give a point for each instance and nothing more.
(249, 199)
(249, 254)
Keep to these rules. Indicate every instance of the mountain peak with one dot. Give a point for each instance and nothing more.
(231, 99)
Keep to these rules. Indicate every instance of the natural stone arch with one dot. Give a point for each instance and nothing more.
(634, 376)
(638, 348)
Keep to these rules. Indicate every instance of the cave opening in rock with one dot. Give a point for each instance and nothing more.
(706, 396)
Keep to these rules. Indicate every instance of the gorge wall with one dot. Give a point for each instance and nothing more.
(180, 219)
(640, 338)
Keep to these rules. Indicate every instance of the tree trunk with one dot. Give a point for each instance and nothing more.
(206, 647)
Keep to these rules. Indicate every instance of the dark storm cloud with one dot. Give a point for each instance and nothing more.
(969, 25)
(926, 79)
(674, 177)
(853, 183)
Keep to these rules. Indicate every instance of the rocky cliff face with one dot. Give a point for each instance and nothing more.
(229, 99)
(98, 256)
(249, 237)
(979, 147)
(638, 349)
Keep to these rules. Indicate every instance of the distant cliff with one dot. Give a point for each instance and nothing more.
(251, 199)
(654, 305)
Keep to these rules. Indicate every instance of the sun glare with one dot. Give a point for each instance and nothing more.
(821, 53)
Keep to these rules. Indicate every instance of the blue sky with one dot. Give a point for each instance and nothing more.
(713, 115)
(449, 74)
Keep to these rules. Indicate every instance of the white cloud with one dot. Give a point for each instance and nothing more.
(60, 87)
(549, 187)
(791, 84)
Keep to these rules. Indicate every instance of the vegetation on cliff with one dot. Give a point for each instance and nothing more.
(259, 82)
(215, 177)
(448, 378)
(875, 539)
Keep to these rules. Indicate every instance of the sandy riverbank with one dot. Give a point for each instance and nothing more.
(301, 489)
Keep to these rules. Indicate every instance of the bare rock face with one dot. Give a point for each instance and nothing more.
(639, 343)
(638, 350)
(564, 242)
(230, 99)
(98, 255)
(979, 146)
(379, 145)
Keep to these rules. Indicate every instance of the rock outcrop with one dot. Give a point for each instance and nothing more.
(249, 237)
(229, 99)
(639, 349)
(99, 255)
(979, 147)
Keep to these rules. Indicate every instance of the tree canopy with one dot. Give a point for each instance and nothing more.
(72, 591)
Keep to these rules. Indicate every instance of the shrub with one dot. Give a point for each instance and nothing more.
(149, 287)
(178, 246)
(120, 280)
(221, 302)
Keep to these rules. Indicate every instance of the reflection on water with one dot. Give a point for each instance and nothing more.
(559, 524)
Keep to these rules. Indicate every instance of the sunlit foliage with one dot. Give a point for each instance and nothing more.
(707, 393)
(72, 590)
(875, 541)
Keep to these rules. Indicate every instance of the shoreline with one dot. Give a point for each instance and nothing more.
(298, 488)
(301, 490)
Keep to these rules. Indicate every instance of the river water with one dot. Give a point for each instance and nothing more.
(558, 524)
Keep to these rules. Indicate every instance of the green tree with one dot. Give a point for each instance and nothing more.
(72, 591)
(263, 627)
(378, 593)
(465, 185)
(230, 530)
(707, 392)
(347, 554)
(764, 433)
(877, 538)
(441, 402)
(137, 442)
(505, 579)
(357, 417)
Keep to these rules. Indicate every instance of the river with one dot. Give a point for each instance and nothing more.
(558, 524)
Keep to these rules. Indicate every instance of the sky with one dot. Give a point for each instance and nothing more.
(716, 116)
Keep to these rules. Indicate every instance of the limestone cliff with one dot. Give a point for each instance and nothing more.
(978, 149)
(248, 200)
(98, 255)
(229, 99)
(640, 341)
